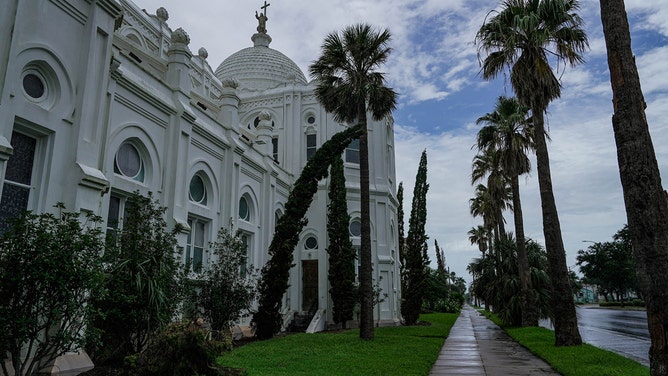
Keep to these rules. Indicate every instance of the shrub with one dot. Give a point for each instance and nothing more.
(637, 303)
(228, 286)
(143, 281)
(180, 349)
(49, 267)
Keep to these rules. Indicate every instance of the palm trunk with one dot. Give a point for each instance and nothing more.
(565, 320)
(644, 197)
(366, 285)
(529, 313)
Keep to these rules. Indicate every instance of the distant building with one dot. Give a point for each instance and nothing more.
(101, 99)
(587, 294)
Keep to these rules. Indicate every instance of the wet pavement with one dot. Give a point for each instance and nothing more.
(623, 332)
(477, 346)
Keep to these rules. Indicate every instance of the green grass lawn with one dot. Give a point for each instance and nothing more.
(582, 360)
(405, 350)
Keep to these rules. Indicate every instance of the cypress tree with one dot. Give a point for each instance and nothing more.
(417, 261)
(400, 223)
(440, 257)
(340, 249)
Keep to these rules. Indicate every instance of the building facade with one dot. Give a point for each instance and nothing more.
(100, 99)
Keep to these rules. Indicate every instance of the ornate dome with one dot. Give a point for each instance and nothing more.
(260, 67)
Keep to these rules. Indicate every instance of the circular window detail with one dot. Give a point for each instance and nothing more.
(34, 86)
(244, 209)
(311, 243)
(128, 162)
(197, 190)
(355, 227)
(310, 119)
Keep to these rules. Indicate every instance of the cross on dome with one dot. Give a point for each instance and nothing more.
(262, 18)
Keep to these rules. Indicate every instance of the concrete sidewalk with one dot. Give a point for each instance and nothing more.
(477, 346)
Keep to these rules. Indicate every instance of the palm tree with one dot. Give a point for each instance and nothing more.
(506, 132)
(349, 86)
(479, 236)
(645, 199)
(519, 38)
(497, 191)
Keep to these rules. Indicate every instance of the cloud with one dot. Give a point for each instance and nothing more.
(434, 67)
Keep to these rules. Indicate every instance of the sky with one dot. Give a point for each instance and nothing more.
(434, 67)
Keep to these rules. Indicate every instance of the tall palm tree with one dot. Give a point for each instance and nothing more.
(519, 38)
(507, 132)
(644, 197)
(349, 85)
(487, 164)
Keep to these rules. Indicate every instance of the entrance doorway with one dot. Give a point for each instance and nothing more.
(309, 284)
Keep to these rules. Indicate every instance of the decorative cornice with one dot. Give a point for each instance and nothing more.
(72, 11)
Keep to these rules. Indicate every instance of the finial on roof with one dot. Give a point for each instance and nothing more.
(262, 19)
(180, 36)
(261, 38)
(162, 14)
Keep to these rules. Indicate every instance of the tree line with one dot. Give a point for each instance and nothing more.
(521, 39)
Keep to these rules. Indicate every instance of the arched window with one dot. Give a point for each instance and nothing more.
(311, 145)
(128, 162)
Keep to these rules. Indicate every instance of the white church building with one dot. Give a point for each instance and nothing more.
(99, 99)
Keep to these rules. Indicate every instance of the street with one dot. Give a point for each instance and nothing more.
(623, 332)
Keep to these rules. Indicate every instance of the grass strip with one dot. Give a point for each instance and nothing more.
(404, 350)
(584, 360)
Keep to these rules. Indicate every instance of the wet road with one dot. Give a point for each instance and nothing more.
(623, 332)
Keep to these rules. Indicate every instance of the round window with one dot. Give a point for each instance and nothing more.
(311, 243)
(244, 212)
(197, 190)
(128, 162)
(355, 227)
(34, 86)
(310, 119)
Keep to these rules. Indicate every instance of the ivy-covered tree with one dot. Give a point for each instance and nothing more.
(228, 286)
(275, 273)
(143, 281)
(415, 271)
(340, 249)
(49, 267)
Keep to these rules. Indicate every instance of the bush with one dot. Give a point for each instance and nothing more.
(228, 286)
(49, 267)
(180, 349)
(637, 303)
(143, 281)
(632, 303)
